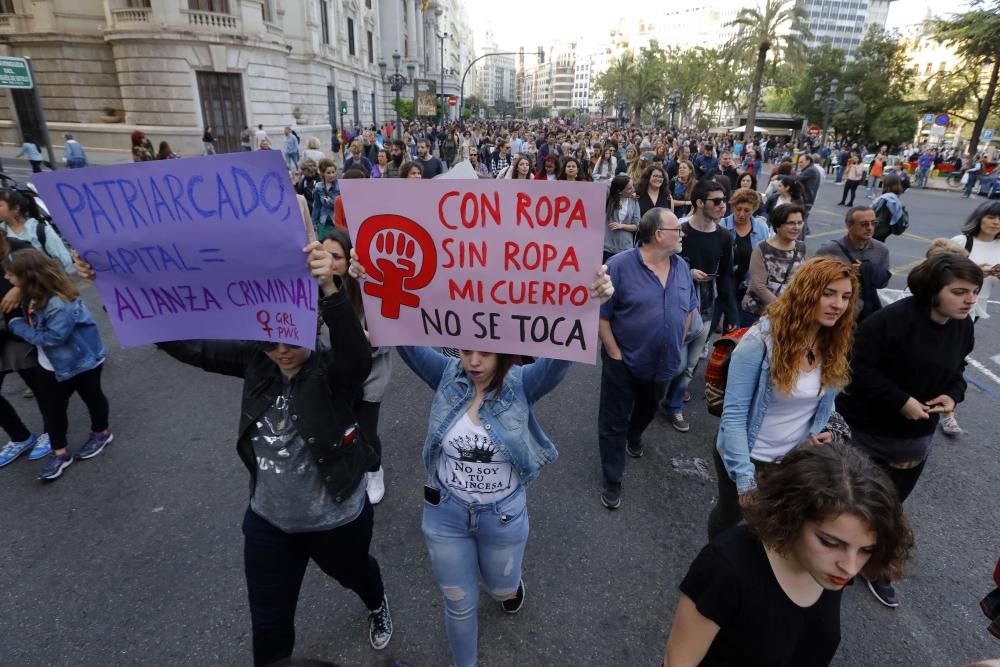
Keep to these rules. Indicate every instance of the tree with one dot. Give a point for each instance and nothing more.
(882, 83)
(648, 81)
(822, 66)
(474, 103)
(567, 114)
(777, 30)
(975, 35)
(405, 108)
(537, 113)
(611, 85)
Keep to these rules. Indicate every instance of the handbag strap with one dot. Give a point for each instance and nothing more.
(788, 271)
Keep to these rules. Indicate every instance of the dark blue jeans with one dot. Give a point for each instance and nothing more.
(275, 562)
(627, 406)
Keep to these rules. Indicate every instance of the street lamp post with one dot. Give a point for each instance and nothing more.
(828, 103)
(441, 37)
(396, 82)
(674, 101)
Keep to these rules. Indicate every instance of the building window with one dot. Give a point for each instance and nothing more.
(350, 37)
(7, 6)
(368, 4)
(265, 11)
(324, 21)
(406, 47)
(371, 47)
(218, 6)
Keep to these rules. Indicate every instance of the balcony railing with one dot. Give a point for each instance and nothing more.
(273, 28)
(126, 18)
(213, 20)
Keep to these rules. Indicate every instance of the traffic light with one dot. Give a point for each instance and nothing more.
(343, 107)
(541, 56)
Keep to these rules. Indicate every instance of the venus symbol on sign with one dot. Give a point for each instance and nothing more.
(400, 258)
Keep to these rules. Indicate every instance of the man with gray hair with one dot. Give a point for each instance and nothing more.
(868, 257)
(642, 329)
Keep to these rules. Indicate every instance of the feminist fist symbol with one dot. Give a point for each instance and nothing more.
(391, 263)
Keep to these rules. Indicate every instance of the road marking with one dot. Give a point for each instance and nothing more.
(916, 237)
(896, 270)
(995, 359)
(983, 369)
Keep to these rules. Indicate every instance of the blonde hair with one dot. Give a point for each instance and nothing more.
(945, 247)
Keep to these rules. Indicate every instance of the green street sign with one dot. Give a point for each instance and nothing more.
(14, 73)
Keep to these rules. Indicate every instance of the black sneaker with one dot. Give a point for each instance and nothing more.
(611, 496)
(883, 592)
(380, 625)
(634, 449)
(514, 605)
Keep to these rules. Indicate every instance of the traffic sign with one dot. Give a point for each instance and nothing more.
(928, 118)
(987, 134)
(14, 73)
(941, 119)
(452, 101)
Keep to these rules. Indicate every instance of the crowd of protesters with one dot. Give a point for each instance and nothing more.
(828, 413)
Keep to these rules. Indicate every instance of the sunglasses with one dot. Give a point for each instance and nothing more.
(271, 347)
(718, 201)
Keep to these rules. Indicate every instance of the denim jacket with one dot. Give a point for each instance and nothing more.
(508, 418)
(759, 231)
(748, 392)
(67, 334)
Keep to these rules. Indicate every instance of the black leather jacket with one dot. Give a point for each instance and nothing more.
(326, 387)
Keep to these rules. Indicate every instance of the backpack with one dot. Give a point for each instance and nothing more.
(717, 370)
(902, 224)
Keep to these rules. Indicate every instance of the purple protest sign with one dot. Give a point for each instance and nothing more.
(194, 248)
(497, 266)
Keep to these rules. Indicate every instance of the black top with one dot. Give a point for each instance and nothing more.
(742, 249)
(731, 583)
(662, 200)
(899, 351)
(712, 252)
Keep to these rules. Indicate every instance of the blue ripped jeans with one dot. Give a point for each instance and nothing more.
(468, 543)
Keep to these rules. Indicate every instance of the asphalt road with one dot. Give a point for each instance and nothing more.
(134, 557)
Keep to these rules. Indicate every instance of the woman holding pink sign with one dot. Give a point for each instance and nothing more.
(483, 447)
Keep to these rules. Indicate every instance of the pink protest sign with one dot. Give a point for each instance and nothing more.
(205, 247)
(496, 266)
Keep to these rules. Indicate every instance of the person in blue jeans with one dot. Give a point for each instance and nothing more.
(708, 250)
(483, 447)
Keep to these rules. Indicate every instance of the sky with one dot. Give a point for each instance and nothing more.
(531, 23)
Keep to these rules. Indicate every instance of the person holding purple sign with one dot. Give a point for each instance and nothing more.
(483, 447)
(299, 441)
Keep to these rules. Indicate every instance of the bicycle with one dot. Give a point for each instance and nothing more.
(954, 179)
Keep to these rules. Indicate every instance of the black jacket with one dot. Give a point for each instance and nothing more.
(328, 384)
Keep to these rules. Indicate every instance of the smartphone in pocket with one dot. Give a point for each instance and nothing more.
(432, 495)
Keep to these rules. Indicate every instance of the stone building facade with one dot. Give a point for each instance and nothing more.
(171, 67)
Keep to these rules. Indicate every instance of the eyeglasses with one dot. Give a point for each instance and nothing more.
(271, 347)
(718, 201)
(679, 230)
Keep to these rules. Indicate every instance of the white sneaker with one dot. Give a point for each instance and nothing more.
(376, 486)
(950, 426)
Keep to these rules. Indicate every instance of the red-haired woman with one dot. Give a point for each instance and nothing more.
(783, 378)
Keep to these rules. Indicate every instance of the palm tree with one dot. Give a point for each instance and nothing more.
(777, 28)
